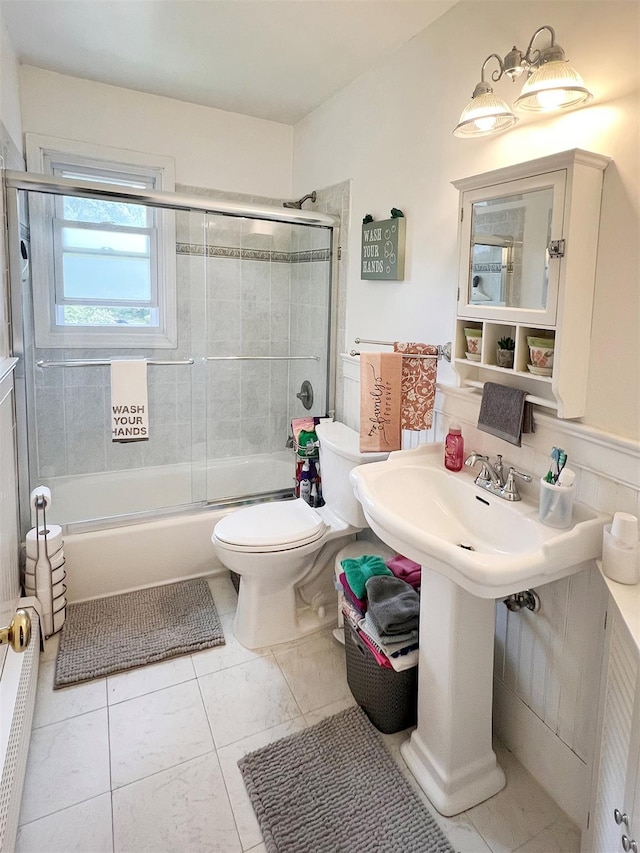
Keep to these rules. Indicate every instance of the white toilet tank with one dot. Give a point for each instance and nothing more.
(339, 453)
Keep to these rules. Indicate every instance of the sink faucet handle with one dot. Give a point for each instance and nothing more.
(514, 473)
(510, 490)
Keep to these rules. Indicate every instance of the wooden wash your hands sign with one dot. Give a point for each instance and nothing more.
(383, 245)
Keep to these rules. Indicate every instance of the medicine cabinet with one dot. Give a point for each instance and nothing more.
(528, 240)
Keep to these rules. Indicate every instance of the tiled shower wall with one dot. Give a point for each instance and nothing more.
(244, 287)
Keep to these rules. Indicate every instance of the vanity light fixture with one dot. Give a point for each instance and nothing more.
(486, 112)
(551, 84)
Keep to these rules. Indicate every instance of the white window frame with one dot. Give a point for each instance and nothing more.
(46, 155)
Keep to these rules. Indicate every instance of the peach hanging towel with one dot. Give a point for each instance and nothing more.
(418, 384)
(380, 400)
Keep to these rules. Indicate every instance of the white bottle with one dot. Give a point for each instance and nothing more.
(305, 482)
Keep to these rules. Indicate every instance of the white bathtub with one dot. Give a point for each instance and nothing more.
(105, 562)
(161, 550)
(84, 497)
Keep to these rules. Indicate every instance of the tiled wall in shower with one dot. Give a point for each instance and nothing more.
(244, 287)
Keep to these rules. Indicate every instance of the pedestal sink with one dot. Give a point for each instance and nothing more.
(474, 547)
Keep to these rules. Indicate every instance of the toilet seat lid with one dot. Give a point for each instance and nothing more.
(290, 523)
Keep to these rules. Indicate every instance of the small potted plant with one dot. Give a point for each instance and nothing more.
(505, 352)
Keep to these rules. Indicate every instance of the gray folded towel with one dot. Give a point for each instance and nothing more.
(394, 605)
(505, 413)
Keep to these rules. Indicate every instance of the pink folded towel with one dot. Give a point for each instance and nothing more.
(359, 603)
(405, 569)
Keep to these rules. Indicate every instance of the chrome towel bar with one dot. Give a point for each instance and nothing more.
(106, 362)
(444, 350)
(262, 358)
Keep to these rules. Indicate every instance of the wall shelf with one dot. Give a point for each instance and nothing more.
(572, 181)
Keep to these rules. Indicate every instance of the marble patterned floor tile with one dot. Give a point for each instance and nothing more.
(154, 732)
(315, 671)
(146, 679)
(246, 699)
(561, 837)
(319, 714)
(222, 657)
(78, 829)
(68, 763)
(259, 848)
(516, 814)
(224, 593)
(52, 706)
(245, 817)
(184, 808)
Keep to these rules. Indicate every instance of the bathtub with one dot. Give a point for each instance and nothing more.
(88, 497)
(158, 550)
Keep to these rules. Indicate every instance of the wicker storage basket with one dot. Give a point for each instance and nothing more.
(388, 698)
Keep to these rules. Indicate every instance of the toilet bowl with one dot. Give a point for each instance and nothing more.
(284, 551)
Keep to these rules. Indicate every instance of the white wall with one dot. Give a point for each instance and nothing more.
(390, 132)
(9, 88)
(212, 148)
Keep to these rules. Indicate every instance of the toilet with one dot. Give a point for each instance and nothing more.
(284, 551)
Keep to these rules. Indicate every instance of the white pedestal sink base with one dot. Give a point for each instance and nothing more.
(450, 752)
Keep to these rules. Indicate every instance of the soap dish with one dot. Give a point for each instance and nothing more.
(539, 371)
(473, 356)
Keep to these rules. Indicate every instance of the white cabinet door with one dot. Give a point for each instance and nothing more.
(619, 744)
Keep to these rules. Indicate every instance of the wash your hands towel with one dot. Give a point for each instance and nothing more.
(129, 401)
(380, 400)
(359, 569)
(418, 384)
(505, 413)
(394, 606)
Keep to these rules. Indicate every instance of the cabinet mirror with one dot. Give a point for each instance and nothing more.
(505, 267)
(509, 259)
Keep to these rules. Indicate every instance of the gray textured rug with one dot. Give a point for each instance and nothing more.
(334, 788)
(113, 634)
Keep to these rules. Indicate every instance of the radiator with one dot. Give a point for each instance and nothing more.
(17, 701)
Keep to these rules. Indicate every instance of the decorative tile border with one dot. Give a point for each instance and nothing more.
(268, 255)
(487, 267)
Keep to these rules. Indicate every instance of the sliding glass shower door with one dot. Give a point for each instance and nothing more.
(252, 323)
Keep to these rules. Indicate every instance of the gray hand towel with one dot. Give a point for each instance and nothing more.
(394, 605)
(505, 413)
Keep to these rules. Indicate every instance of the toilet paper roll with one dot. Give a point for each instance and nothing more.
(56, 561)
(41, 493)
(619, 563)
(52, 542)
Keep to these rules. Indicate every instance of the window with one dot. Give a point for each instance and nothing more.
(107, 268)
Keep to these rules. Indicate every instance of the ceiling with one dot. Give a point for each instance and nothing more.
(273, 59)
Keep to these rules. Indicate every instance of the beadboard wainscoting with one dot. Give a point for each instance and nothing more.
(546, 664)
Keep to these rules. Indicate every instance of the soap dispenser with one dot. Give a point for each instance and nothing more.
(454, 448)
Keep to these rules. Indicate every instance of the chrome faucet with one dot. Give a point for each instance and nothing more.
(491, 477)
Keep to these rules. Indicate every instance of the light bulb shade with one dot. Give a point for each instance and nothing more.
(553, 86)
(485, 114)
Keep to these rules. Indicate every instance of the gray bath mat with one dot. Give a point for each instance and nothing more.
(113, 634)
(334, 788)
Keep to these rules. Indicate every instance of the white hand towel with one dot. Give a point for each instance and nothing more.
(129, 401)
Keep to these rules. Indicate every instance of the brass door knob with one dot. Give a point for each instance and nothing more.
(18, 633)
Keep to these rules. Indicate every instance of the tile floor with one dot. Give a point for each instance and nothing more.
(146, 760)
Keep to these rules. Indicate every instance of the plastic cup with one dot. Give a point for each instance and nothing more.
(556, 504)
(624, 528)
